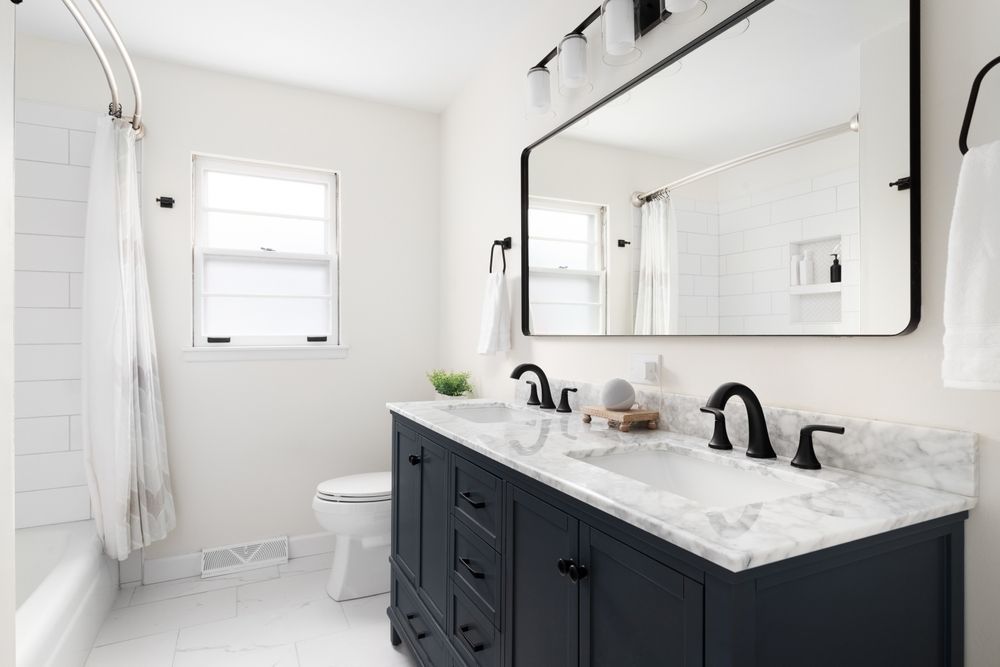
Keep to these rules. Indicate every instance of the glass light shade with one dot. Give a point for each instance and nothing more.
(618, 32)
(573, 61)
(680, 6)
(539, 90)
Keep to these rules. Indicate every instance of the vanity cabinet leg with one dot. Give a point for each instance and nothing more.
(394, 637)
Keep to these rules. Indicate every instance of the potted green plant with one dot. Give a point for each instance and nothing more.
(450, 385)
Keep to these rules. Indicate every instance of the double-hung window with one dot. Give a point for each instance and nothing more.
(567, 268)
(265, 255)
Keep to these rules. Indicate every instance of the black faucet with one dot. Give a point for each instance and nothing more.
(543, 383)
(759, 443)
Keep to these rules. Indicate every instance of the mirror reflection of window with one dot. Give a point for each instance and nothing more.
(566, 267)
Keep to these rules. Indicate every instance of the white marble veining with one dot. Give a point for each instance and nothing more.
(932, 457)
(842, 506)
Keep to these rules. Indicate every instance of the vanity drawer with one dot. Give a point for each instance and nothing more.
(477, 499)
(472, 634)
(419, 626)
(476, 569)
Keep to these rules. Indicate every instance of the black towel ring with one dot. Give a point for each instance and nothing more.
(963, 138)
(505, 245)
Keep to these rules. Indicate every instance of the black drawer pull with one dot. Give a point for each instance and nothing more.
(476, 574)
(475, 647)
(413, 459)
(420, 635)
(563, 566)
(577, 573)
(467, 497)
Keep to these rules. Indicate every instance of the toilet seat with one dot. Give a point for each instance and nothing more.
(364, 488)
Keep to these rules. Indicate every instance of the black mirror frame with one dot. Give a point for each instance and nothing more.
(915, 176)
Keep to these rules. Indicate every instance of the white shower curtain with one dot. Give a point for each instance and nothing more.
(124, 438)
(656, 305)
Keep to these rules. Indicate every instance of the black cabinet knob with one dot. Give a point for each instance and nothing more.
(563, 566)
(413, 459)
(577, 573)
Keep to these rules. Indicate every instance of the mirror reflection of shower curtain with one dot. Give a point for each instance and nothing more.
(657, 301)
(124, 439)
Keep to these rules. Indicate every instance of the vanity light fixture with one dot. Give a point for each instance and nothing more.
(539, 91)
(573, 61)
(684, 11)
(618, 32)
(680, 6)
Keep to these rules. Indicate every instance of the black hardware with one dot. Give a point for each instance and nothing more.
(315, 339)
(505, 244)
(475, 647)
(901, 184)
(413, 459)
(563, 566)
(521, 369)
(577, 573)
(970, 109)
(467, 497)
(420, 635)
(564, 400)
(805, 457)
(165, 202)
(622, 243)
(218, 339)
(476, 574)
(533, 398)
(720, 438)
(759, 443)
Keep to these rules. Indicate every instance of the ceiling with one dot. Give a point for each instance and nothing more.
(794, 71)
(414, 54)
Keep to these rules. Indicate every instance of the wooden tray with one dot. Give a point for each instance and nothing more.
(621, 419)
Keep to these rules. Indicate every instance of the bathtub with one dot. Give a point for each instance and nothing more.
(65, 589)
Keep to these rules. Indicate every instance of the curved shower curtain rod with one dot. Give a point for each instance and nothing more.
(115, 108)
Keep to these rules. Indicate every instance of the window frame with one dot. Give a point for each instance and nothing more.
(272, 346)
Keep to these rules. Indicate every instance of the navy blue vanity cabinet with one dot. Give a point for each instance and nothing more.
(492, 568)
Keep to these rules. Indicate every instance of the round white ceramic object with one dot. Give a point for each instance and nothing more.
(617, 394)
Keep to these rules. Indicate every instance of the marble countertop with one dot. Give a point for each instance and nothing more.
(839, 506)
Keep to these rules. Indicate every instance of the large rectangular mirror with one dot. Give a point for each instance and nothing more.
(763, 182)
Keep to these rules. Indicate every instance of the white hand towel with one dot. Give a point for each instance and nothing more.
(494, 329)
(972, 287)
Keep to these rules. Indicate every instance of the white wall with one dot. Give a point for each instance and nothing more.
(896, 379)
(249, 440)
(7, 594)
(52, 147)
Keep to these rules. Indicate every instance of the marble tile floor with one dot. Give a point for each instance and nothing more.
(272, 617)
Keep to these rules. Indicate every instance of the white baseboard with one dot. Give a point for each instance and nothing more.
(156, 570)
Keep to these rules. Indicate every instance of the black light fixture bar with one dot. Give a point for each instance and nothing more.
(651, 14)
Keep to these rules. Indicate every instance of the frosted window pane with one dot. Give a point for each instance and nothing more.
(237, 275)
(574, 289)
(264, 316)
(565, 320)
(251, 232)
(265, 195)
(561, 225)
(561, 255)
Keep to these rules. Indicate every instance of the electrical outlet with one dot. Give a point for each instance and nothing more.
(644, 369)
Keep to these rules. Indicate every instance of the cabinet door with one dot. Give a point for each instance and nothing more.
(541, 603)
(406, 452)
(434, 564)
(635, 610)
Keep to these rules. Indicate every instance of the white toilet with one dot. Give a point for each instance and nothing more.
(356, 509)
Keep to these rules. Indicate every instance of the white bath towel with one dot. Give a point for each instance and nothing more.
(494, 329)
(972, 287)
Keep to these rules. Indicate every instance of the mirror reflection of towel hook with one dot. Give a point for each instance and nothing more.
(505, 244)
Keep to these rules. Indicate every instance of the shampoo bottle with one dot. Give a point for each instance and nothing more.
(806, 268)
(835, 269)
(793, 270)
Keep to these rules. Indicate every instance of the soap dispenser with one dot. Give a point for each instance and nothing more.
(835, 269)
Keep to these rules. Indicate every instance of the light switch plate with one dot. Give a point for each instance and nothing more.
(644, 369)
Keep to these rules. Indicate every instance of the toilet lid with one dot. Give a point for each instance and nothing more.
(365, 487)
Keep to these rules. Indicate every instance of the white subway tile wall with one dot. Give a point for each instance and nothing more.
(52, 154)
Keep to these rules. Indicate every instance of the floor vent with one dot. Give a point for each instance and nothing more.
(240, 557)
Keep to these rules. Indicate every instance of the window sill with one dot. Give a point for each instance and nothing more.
(264, 353)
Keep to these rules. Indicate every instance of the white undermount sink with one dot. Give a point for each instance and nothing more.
(715, 485)
(494, 414)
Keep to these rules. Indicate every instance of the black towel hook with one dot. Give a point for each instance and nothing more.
(505, 244)
(963, 138)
